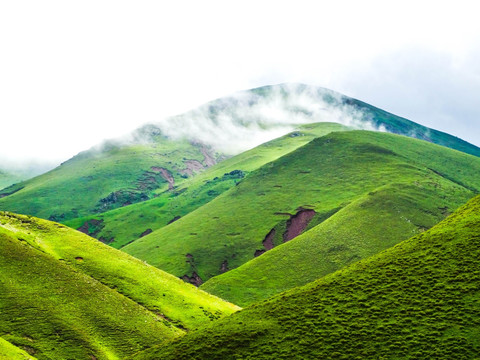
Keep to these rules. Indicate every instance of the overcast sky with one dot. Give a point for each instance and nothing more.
(75, 72)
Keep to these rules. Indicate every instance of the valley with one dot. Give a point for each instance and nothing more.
(286, 221)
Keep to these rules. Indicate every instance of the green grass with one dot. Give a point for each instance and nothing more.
(118, 174)
(417, 300)
(11, 352)
(7, 178)
(99, 180)
(326, 174)
(65, 295)
(126, 224)
(364, 227)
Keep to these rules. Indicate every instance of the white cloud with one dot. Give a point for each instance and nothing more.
(74, 73)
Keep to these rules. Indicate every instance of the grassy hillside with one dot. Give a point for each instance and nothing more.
(156, 158)
(65, 295)
(326, 175)
(371, 223)
(121, 226)
(417, 300)
(109, 177)
(7, 178)
(11, 352)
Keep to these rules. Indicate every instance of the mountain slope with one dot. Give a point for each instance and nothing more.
(123, 225)
(252, 114)
(7, 178)
(364, 227)
(65, 295)
(109, 177)
(158, 157)
(324, 176)
(419, 299)
(11, 352)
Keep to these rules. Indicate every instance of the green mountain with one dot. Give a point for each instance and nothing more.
(344, 176)
(7, 178)
(11, 173)
(108, 177)
(66, 295)
(417, 300)
(156, 159)
(124, 225)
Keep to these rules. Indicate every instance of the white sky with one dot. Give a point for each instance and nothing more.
(75, 72)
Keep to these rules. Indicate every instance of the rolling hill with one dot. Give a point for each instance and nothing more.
(66, 295)
(332, 179)
(124, 225)
(417, 300)
(158, 158)
(7, 178)
(110, 176)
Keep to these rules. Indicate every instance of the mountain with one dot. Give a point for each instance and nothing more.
(110, 176)
(122, 226)
(11, 173)
(7, 178)
(157, 158)
(417, 300)
(343, 176)
(66, 295)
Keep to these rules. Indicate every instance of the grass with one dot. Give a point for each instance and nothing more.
(126, 224)
(118, 174)
(418, 299)
(102, 179)
(328, 173)
(65, 295)
(11, 352)
(364, 227)
(7, 178)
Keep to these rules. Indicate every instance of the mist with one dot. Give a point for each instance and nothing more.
(249, 118)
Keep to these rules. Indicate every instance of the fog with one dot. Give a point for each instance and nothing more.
(249, 118)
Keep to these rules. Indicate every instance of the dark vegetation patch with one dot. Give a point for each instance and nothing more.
(57, 217)
(224, 267)
(194, 279)
(105, 240)
(91, 227)
(146, 232)
(258, 253)
(120, 198)
(12, 189)
(174, 219)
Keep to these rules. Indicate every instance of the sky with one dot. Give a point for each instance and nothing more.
(73, 73)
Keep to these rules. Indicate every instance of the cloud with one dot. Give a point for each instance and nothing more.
(75, 73)
(249, 118)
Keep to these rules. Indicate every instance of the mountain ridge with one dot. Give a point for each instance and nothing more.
(418, 299)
